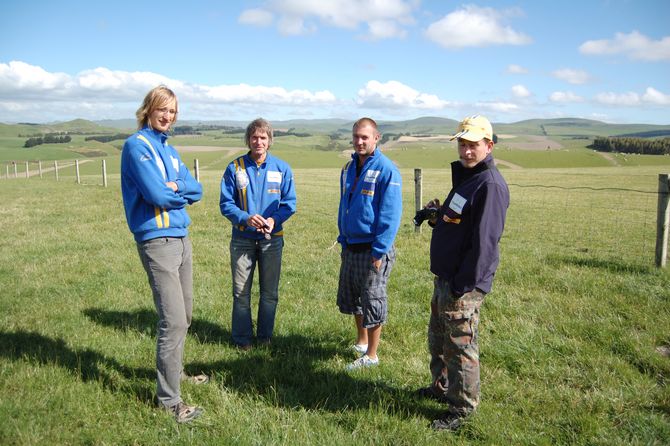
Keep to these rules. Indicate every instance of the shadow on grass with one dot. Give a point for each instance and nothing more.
(615, 266)
(87, 364)
(296, 371)
(145, 321)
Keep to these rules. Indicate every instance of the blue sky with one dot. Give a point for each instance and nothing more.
(388, 59)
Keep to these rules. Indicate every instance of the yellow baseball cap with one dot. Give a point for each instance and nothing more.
(474, 128)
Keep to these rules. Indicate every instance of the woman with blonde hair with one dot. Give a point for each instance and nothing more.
(156, 188)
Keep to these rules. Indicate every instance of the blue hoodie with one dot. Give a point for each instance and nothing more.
(248, 189)
(370, 208)
(152, 208)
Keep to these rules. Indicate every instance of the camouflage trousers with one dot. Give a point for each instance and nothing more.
(454, 349)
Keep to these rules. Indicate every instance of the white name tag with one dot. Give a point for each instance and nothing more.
(273, 176)
(457, 203)
(175, 163)
(371, 176)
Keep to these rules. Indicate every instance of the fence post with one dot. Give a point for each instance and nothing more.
(662, 220)
(39, 166)
(7, 166)
(196, 169)
(76, 168)
(418, 194)
(56, 169)
(27, 170)
(104, 173)
(16, 172)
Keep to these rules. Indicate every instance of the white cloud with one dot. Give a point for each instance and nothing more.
(565, 97)
(504, 107)
(256, 17)
(28, 90)
(576, 77)
(473, 26)
(635, 46)
(625, 99)
(516, 69)
(394, 94)
(651, 96)
(384, 19)
(521, 91)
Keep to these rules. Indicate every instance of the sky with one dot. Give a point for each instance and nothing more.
(607, 60)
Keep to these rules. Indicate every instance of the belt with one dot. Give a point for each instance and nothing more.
(359, 247)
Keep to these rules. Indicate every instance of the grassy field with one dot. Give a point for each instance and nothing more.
(569, 336)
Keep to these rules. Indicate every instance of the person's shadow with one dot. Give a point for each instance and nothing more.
(87, 364)
(293, 372)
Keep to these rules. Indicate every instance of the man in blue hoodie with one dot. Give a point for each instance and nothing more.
(464, 257)
(257, 196)
(368, 220)
(156, 188)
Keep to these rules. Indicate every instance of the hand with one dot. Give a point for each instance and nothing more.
(256, 221)
(269, 225)
(434, 203)
(172, 185)
(377, 263)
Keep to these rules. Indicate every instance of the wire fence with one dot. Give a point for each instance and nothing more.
(606, 223)
(582, 216)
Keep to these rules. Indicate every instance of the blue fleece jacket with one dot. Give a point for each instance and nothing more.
(464, 246)
(248, 189)
(152, 208)
(370, 205)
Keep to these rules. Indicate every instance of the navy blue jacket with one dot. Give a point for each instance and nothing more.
(464, 245)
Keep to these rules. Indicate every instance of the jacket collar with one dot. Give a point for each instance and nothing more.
(460, 173)
(375, 154)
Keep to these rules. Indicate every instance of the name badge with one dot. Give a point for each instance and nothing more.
(273, 176)
(371, 176)
(175, 163)
(457, 203)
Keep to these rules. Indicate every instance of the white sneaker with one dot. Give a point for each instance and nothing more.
(360, 348)
(362, 362)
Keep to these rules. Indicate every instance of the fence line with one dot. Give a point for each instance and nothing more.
(76, 164)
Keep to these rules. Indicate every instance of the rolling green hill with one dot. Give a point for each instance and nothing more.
(528, 144)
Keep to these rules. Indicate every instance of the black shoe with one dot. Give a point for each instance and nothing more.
(449, 423)
(429, 393)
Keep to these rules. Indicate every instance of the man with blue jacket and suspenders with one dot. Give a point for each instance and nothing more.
(257, 196)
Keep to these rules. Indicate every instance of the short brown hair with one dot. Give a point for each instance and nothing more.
(365, 121)
(156, 98)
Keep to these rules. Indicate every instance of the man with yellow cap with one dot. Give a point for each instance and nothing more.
(464, 257)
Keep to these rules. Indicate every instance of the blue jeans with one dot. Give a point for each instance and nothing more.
(244, 254)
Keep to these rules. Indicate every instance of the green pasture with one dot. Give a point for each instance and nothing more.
(570, 335)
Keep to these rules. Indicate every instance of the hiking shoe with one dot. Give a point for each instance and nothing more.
(360, 348)
(183, 413)
(449, 423)
(430, 393)
(362, 362)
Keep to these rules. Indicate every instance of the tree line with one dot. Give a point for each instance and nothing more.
(632, 145)
(107, 138)
(47, 139)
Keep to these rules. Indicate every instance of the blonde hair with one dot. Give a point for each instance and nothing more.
(156, 98)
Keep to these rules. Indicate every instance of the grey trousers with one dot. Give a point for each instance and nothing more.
(169, 266)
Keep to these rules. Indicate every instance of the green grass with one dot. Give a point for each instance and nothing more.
(568, 336)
